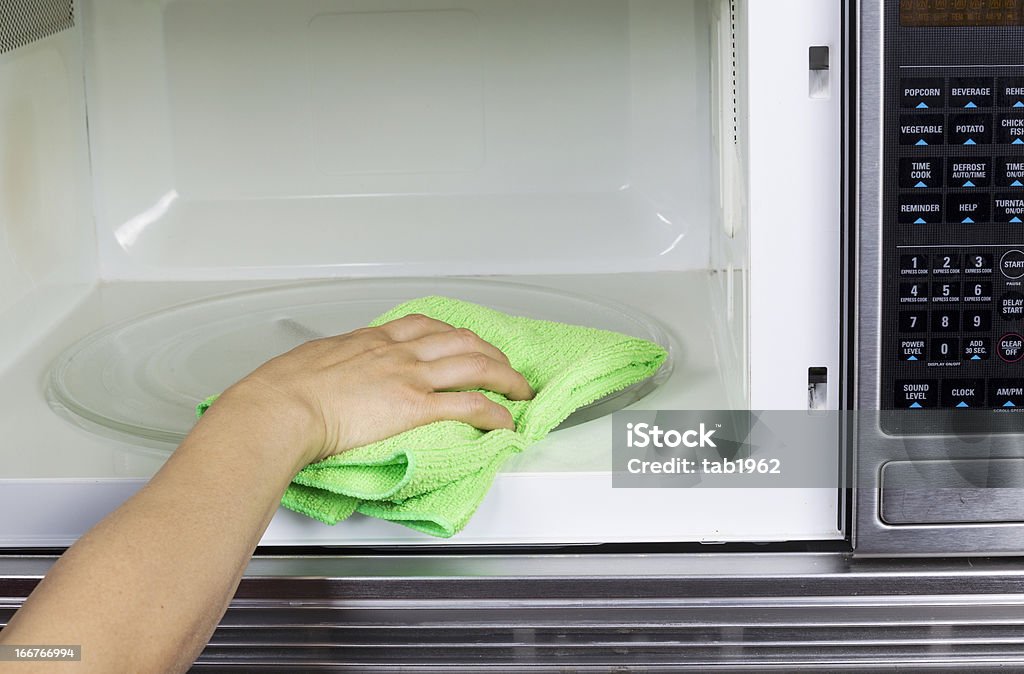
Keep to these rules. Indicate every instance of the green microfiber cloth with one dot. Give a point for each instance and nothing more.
(432, 478)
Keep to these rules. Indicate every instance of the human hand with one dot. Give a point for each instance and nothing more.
(348, 391)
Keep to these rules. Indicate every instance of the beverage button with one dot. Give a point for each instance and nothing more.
(978, 264)
(913, 350)
(922, 130)
(917, 394)
(1010, 129)
(971, 92)
(920, 173)
(967, 208)
(1007, 393)
(970, 173)
(977, 349)
(945, 350)
(970, 130)
(1010, 347)
(923, 93)
(914, 265)
(1011, 306)
(1009, 208)
(1011, 92)
(1012, 264)
(1010, 171)
(963, 393)
(920, 209)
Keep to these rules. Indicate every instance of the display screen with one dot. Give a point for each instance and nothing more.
(956, 13)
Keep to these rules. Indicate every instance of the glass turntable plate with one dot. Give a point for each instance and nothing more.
(144, 377)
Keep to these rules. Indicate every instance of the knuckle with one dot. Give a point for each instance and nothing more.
(480, 363)
(477, 403)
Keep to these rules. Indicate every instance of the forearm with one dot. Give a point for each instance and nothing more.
(145, 588)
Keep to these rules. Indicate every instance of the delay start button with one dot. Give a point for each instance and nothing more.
(1012, 264)
(1011, 347)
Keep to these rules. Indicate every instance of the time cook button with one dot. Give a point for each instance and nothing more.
(1012, 264)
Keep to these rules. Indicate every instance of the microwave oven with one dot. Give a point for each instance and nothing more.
(814, 206)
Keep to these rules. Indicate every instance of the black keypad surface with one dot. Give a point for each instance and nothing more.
(953, 265)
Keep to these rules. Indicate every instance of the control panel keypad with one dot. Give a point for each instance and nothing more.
(955, 273)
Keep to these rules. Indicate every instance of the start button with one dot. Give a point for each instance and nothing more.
(1012, 264)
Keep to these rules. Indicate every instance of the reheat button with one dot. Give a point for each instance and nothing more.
(1012, 264)
(1010, 347)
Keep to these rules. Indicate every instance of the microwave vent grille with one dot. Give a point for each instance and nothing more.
(23, 22)
(735, 86)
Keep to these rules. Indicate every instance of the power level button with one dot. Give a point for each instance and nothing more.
(1012, 264)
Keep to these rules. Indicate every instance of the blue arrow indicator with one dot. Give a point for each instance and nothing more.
(924, 106)
(920, 221)
(970, 105)
(962, 405)
(968, 221)
(1017, 183)
(970, 141)
(916, 406)
(1015, 219)
(920, 184)
(922, 142)
(969, 184)
(976, 358)
(912, 358)
(1019, 104)
(1016, 142)
(1009, 403)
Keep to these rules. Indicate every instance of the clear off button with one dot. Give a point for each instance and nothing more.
(1012, 264)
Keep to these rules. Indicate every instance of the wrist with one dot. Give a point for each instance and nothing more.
(279, 420)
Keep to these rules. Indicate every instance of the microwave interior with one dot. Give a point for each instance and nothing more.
(188, 188)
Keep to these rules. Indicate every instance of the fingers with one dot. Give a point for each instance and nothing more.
(413, 326)
(453, 343)
(466, 372)
(471, 408)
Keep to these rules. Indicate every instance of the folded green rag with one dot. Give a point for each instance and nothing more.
(432, 478)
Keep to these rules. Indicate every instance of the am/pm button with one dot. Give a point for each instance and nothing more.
(917, 394)
(1006, 393)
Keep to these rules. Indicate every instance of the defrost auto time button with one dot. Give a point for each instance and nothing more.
(1012, 264)
(970, 172)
